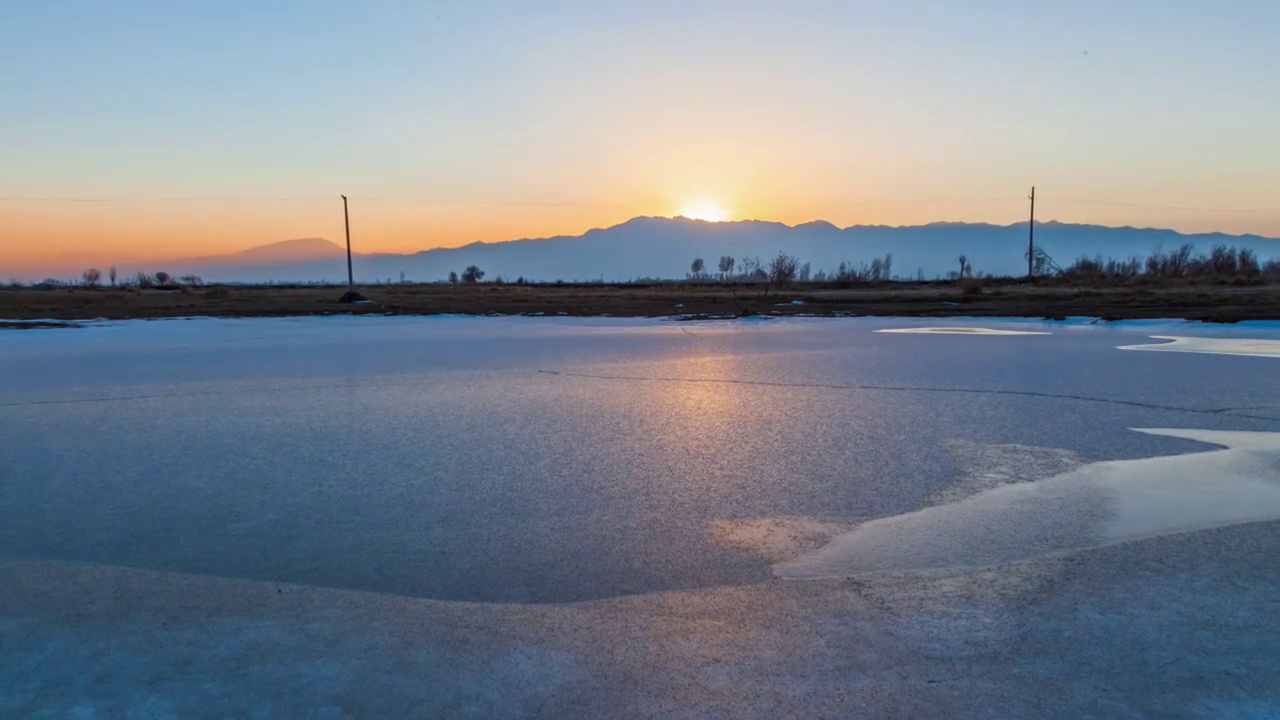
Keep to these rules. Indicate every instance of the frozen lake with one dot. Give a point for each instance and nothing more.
(673, 480)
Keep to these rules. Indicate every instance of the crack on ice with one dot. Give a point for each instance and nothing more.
(1236, 411)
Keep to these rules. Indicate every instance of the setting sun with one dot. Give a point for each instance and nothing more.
(709, 211)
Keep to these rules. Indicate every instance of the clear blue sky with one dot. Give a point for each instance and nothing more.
(590, 112)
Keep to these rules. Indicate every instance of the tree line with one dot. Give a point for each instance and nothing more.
(92, 278)
(1220, 262)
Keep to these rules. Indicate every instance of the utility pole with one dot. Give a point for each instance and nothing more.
(346, 221)
(1031, 237)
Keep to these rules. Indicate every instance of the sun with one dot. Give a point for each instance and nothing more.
(705, 210)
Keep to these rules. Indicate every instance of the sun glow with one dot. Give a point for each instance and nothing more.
(705, 210)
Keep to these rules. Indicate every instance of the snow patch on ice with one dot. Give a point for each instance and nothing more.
(1250, 347)
(960, 331)
(1094, 505)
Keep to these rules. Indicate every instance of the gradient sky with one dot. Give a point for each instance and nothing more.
(161, 129)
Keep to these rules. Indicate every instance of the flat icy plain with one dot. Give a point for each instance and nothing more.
(548, 517)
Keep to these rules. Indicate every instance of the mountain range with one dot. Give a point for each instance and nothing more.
(654, 247)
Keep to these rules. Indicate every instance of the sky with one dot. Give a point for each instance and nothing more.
(154, 129)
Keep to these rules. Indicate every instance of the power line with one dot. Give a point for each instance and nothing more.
(305, 198)
(944, 201)
(191, 199)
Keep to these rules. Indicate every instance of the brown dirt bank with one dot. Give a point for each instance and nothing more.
(1214, 303)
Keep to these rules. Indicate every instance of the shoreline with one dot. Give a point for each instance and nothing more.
(23, 308)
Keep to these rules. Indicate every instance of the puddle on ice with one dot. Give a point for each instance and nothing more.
(1219, 346)
(960, 331)
(1096, 504)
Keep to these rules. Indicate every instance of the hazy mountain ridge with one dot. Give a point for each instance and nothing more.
(665, 247)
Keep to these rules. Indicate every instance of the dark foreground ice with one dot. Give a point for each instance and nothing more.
(282, 518)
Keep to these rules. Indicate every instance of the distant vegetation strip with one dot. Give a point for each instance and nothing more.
(1223, 263)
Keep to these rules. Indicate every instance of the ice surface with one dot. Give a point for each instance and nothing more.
(1251, 347)
(987, 466)
(778, 538)
(1096, 504)
(1174, 627)
(279, 517)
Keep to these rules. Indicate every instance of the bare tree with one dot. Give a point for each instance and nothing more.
(697, 267)
(1222, 260)
(91, 277)
(964, 265)
(111, 273)
(803, 274)
(145, 280)
(162, 278)
(726, 266)
(783, 268)
(751, 267)
(886, 266)
(453, 278)
(192, 280)
(472, 274)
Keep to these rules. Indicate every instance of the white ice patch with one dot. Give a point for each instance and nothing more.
(960, 331)
(1097, 504)
(1251, 347)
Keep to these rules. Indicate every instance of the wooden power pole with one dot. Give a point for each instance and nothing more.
(1031, 236)
(346, 222)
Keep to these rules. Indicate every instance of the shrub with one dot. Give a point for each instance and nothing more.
(1085, 267)
(849, 273)
(1174, 264)
(218, 292)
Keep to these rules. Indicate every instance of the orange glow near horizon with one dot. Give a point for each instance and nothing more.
(61, 238)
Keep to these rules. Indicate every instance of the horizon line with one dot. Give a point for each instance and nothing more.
(46, 267)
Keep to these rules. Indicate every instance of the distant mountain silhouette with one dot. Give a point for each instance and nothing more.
(285, 251)
(664, 247)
